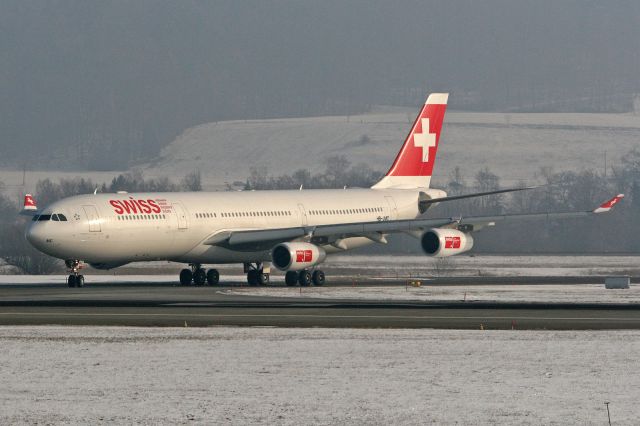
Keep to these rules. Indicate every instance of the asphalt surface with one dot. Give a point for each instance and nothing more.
(149, 304)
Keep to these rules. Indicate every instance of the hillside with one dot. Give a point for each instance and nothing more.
(514, 146)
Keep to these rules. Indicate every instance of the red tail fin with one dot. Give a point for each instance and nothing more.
(29, 203)
(29, 207)
(413, 166)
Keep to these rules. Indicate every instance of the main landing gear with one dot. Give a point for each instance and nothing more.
(305, 278)
(257, 273)
(198, 276)
(74, 279)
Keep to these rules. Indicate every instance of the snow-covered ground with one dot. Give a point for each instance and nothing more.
(84, 375)
(578, 293)
(482, 265)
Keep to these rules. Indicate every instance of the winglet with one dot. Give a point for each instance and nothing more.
(608, 205)
(29, 208)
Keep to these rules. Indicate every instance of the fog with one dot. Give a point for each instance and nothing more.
(105, 85)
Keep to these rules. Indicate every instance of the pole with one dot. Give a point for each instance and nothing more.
(608, 414)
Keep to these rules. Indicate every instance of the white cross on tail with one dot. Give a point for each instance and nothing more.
(424, 140)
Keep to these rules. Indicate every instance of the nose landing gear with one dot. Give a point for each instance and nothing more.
(74, 279)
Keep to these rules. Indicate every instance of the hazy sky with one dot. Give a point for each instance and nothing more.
(120, 79)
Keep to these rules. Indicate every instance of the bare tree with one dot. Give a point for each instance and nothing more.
(192, 181)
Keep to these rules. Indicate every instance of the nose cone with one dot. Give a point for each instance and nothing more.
(36, 235)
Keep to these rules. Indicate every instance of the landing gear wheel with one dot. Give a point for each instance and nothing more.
(80, 281)
(263, 279)
(213, 277)
(71, 281)
(186, 277)
(318, 278)
(291, 278)
(199, 277)
(252, 278)
(304, 278)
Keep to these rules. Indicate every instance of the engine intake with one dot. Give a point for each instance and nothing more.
(296, 256)
(440, 242)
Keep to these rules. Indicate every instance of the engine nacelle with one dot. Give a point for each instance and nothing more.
(296, 256)
(439, 242)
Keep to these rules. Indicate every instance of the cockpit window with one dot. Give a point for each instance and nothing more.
(44, 217)
(54, 217)
(35, 218)
(62, 217)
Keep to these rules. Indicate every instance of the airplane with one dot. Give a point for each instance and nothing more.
(293, 230)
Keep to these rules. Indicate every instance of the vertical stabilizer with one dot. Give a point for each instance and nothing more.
(413, 166)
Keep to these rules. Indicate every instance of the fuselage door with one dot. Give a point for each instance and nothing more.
(93, 218)
(182, 216)
(303, 214)
(393, 209)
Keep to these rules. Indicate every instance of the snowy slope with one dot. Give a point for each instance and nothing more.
(514, 146)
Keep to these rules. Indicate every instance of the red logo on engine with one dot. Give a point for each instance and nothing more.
(134, 206)
(304, 255)
(452, 242)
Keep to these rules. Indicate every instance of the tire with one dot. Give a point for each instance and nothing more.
(186, 277)
(318, 278)
(199, 277)
(80, 281)
(252, 278)
(263, 279)
(291, 278)
(304, 278)
(213, 277)
(71, 281)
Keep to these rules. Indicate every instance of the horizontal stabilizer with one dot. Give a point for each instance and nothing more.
(477, 194)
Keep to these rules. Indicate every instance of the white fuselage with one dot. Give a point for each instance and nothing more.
(113, 229)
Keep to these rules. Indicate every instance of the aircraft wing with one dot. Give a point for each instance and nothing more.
(376, 230)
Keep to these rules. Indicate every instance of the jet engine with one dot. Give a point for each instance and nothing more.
(439, 242)
(296, 256)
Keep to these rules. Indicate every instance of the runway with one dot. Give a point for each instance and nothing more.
(168, 305)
